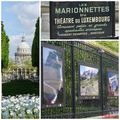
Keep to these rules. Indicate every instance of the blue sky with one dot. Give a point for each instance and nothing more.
(19, 19)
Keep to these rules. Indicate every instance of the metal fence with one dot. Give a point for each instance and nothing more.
(75, 107)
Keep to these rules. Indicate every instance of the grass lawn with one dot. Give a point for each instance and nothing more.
(18, 87)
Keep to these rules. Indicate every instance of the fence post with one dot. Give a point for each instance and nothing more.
(41, 77)
(73, 79)
(101, 51)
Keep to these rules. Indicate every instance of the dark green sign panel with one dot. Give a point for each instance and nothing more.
(82, 20)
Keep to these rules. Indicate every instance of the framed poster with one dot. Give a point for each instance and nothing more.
(82, 20)
(53, 80)
(113, 83)
(88, 81)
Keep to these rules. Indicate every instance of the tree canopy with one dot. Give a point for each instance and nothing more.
(110, 46)
(35, 46)
(4, 47)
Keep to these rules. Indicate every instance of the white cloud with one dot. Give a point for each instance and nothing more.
(26, 13)
(31, 9)
(15, 39)
(26, 22)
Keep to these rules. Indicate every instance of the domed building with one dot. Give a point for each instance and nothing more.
(21, 71)
(23, 52)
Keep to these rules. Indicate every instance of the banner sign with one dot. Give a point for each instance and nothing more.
(82, 20)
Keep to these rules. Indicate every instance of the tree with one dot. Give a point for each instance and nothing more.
(28, 64)
(112, 45)
(5, 47)
(35, 47)
(11, 64)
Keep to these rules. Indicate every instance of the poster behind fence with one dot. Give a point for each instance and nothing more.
(82, 20)
(112, 84)
(52, 77)
(89, 83)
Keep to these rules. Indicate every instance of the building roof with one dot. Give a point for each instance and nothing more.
(23, 48)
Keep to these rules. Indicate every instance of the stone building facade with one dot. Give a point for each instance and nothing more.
(23, 52)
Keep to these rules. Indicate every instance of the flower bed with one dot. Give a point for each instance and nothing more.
(20, 106)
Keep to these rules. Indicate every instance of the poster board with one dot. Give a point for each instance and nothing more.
(113, 83)
(53, 77)
(88, 81)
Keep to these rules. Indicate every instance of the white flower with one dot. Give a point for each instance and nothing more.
(17, 106)
(12, 113)
(29, 111)
(20, 115)
(35, 110)
(12, 98)
(5, 114)
(3, 108)
(20, 106)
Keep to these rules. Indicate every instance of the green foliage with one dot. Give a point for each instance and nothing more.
(4, 47)
(109, 46)
(11, 64)
(113, 102)
(112, 45)
(28, 64)
(67, 110)
(35, 46)
(17, 87)
(89, 58)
